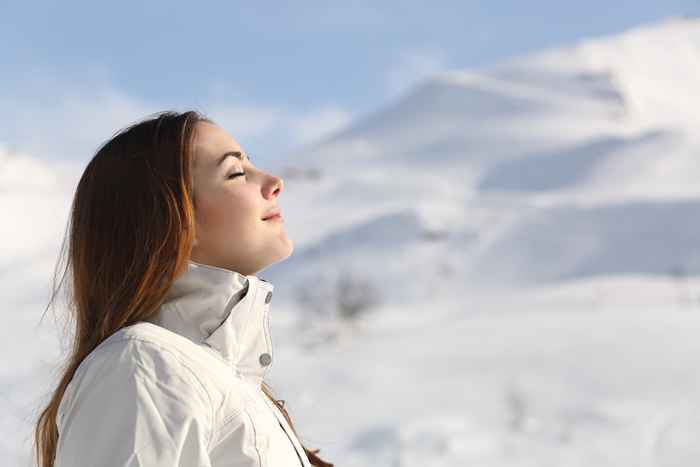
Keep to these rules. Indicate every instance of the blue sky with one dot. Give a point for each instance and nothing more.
(278, 75)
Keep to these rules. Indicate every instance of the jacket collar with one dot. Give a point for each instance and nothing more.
(224, 310)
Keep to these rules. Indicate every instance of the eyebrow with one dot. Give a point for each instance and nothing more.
(236, 154)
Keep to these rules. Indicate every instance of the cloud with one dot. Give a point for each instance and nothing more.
(319, 123)
(413, 66)
(64, 121)
(52, 119)
(246, 121)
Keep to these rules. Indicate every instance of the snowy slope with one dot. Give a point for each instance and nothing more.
(602, 123)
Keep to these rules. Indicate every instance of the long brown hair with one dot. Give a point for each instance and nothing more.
(130, 234)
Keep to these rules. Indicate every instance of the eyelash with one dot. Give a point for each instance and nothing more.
(234, 175)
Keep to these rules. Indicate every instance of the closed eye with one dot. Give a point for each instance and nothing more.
(234, 175)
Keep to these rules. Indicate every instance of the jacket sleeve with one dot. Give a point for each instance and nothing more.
(133, 407)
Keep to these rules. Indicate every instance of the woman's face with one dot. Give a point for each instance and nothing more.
(229, 209)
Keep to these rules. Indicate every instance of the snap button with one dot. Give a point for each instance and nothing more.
(269, 297)
(265, 359)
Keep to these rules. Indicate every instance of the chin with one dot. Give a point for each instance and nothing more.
(281, 255)
(286, 252)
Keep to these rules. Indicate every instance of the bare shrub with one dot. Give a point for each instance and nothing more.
(354, 295)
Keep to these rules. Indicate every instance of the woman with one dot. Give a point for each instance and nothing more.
(169, 225)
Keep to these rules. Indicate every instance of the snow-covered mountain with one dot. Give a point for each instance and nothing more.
(557, 165)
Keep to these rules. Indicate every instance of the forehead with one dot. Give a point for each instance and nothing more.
(211, 143)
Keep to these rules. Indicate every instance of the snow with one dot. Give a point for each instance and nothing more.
(502, 384)
(531, 228)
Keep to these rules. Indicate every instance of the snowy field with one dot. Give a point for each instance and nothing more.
(506, 383)
(533, 232)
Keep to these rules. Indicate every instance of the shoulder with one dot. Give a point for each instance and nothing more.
(151, 354)
(172, 365)
(150, 398)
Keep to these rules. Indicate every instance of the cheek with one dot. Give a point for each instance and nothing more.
(227, 213)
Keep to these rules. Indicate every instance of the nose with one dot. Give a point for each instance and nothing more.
(274, 186)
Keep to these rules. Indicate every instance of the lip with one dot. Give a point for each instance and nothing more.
(275, 214)
(276, 217)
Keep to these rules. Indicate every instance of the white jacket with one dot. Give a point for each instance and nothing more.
(183, 389)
